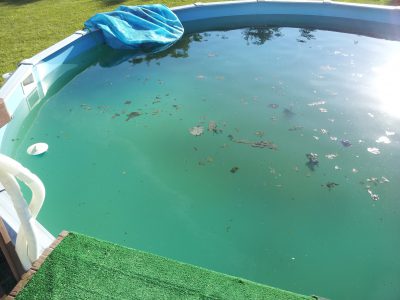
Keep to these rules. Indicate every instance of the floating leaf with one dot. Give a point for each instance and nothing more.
(132, 115)
(234, 170)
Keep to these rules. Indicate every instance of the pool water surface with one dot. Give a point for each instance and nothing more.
(267, 153)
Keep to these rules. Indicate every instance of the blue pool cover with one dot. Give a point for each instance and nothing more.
(147, 28)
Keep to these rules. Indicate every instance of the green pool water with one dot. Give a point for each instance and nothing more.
(299, 138)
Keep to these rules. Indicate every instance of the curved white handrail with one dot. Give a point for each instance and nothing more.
(28, 246)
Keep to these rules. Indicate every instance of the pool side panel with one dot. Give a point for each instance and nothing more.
(30, 75)
(371, 20)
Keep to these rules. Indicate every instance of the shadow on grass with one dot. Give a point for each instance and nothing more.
(22, 2)
(18, 2)
(110, 2)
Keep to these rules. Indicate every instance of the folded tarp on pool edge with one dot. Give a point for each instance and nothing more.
(148, 28)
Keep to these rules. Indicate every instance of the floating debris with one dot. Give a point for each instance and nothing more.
(384, 180)
(371, 115)
(331, 156)
(201, 77)
(374, 150)
(337, 168)
(132, 115)
(273, 105)
(212, 127)
(86, 107)
(316, 137)
(330, 185)
(295, 128)
(333, 138)
(383, 140)
(345, 143)
(234, 170)
(323, 131)
(196, 130)
(257, 144)
(312, 161)
(206, 161)
(264, 144)
(373, 180)
(323, 110)
(259, 133)
(316, 103)
(37, 149)
(389, 133)
(354, 170)
(373, 196)
(288, 112)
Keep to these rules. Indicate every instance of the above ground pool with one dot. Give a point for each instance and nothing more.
(269, 153)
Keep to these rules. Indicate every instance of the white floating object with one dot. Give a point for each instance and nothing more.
(196, 131)
(331, 156)
(37, 149)
(389, 133)
(374, 150)
(322, 102)
(383, 139)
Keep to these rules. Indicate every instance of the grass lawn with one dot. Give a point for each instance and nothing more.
(29, 26)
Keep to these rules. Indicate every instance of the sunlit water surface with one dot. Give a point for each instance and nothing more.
(293, 180)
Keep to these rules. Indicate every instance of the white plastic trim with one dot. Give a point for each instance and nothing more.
(28, 246)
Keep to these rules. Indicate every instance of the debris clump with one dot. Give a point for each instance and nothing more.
(258, 144)
(345, 143)
(330, 185)
(213, 127)
(234, 170)
(312, 161)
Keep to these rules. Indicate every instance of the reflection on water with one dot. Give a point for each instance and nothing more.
(259, 35)
(387, 84)
(179, 50)
(253, 35)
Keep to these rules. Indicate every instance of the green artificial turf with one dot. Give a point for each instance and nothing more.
(30, 26)
(85, 268)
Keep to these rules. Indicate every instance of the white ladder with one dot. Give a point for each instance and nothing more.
(32, 238)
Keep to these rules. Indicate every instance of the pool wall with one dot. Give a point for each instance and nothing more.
(36, 78)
